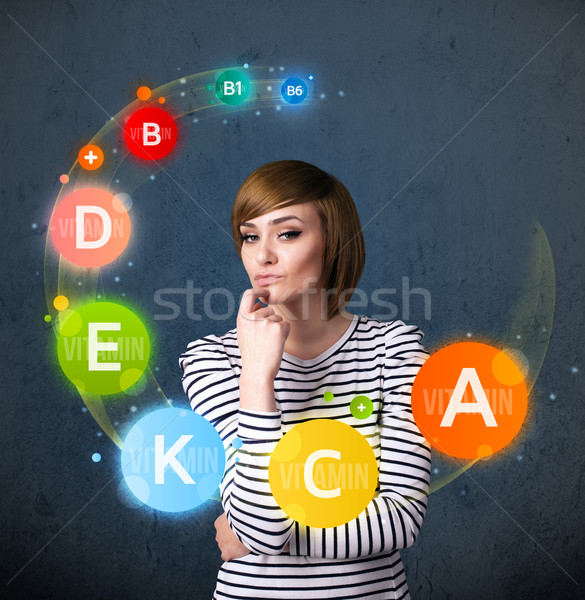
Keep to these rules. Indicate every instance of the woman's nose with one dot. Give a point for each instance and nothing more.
(266, 252)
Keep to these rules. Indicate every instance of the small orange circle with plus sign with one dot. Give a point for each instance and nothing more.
(91, 157)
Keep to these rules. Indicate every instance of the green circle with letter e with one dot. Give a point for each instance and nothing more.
(103, 347)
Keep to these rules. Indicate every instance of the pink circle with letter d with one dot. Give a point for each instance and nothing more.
(90, 227)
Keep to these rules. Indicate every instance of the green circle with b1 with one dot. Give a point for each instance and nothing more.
(232, 87)
(173, 459)
(294, 90)
(103, 347)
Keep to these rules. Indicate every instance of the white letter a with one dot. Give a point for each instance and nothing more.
(468, 375)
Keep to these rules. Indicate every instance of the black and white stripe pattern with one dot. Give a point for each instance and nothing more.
(359, 559)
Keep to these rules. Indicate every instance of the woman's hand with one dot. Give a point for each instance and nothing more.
(226, 539)
(261, 337)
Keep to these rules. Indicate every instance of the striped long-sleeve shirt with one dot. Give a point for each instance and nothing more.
(358, 559)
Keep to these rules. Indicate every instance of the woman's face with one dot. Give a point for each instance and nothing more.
(283, 251)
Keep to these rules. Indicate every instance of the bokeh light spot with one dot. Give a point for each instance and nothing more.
(143, 92)
(61, 302)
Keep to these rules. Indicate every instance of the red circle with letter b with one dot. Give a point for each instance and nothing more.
(150, 133)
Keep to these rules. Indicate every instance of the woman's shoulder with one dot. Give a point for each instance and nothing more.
(211, 346)
(390, 329)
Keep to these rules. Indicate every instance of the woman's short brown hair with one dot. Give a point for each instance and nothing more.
(286, 182)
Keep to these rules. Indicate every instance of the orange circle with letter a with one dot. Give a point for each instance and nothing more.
(469, 400)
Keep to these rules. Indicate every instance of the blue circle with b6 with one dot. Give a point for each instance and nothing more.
(294, 90)
(173, 459)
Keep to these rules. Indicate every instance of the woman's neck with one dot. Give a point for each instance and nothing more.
(309, 338)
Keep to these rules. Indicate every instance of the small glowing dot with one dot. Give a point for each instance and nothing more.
(99, 434)
(574, 369)
(322, 96)
(130, 263)
(518, 336)
(208, 87)
(341, 93)
(211, 102)
(281, 68)
(183, 80)
(99, 295)
(269, 88)
(246, 65)
(183, 94)
(435, 470)
(178, 68)
(463, 492)
(117, 181)
(468, 334)
(152, 177)
(84, 409)
(271, 69)
(156, 368)
(161, 100)
(143, 92)
(115, 150)
(116, 278)
(257, 113)
(159, 390)
(37, 272)
(124, 293)
(64, 178)
(520, 457)
(60, 302)
(195, 120)
(552, 396)
(34, 225)
(544, 328)
(224, 121)
(79, 283)
(96, 457)
(278, 107)
(116, 423)
(48, 318)
(133, 409)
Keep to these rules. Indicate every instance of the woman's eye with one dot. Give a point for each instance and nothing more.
(292, 234)
(287, 235)
(246, 236)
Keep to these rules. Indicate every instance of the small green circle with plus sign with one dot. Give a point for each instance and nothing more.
(361, 407)
(232, 87)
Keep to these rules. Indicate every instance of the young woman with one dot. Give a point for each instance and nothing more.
(297, 231)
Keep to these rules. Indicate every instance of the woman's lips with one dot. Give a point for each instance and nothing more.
(261, 281)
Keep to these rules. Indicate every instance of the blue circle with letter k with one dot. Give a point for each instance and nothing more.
(173, 459)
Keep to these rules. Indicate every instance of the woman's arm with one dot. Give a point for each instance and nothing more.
(393, 518)
(246, 409)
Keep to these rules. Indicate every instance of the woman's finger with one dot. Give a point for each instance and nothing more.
(249, 297)
(262, 313)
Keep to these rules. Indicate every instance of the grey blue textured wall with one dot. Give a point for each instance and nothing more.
(459, 124)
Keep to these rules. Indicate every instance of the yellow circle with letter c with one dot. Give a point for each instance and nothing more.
(323, 473)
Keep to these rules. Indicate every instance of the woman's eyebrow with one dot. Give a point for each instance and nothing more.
(274, 222)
